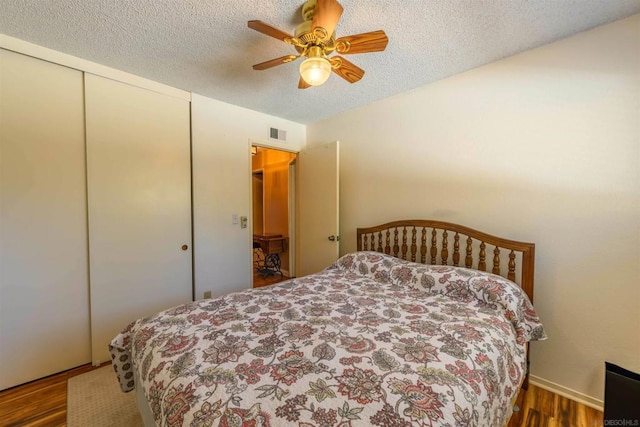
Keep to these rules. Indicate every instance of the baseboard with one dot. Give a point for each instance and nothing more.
(567, 392)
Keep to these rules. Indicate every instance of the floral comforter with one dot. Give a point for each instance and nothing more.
(372, 340)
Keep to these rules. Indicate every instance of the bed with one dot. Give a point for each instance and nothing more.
(407, 330)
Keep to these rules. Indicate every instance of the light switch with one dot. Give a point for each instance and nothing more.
(243, 222)
(234, 219)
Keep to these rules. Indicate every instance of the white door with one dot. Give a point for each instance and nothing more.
(139, 192)
(44, 291)
(318, 203)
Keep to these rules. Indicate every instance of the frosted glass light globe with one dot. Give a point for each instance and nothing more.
(315, 70)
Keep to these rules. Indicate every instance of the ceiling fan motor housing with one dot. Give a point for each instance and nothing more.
(308, 9)
(305, 34)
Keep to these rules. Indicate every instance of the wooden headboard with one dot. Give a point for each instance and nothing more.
(444, 243)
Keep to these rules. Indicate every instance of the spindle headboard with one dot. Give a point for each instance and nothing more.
(439, 243)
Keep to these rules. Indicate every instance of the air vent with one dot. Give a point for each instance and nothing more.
(278, 134)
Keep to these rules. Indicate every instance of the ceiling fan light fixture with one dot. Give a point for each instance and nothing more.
(316, 69)
(315, 40)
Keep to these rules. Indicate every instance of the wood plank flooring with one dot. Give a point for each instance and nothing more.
(44, 403)
(259, 280)
(542, 408)
(38, 403)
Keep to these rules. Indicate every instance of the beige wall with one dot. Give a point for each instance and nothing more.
(276, 187)
(221, 137)
(543, 147)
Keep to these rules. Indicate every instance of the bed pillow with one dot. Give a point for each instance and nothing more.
(367, 263)
(474, 287)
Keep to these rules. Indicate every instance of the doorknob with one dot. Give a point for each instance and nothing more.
(185, 247)
(332, 238)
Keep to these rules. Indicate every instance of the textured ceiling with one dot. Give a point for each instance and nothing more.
(205, 46)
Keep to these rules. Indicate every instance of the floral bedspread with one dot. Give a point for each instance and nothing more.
(372, 340)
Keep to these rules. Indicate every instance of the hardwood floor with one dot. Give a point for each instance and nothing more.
(260, 280)
(44, 403)
(542, 408)
(38, 403)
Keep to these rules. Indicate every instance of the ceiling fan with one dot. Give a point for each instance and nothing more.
(315, 40)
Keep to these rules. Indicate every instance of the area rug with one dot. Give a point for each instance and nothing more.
(94, 399)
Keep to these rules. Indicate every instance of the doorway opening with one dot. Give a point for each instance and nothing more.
(273, 213)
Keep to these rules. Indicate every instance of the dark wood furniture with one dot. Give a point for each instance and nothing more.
(270, 246)
(444, 243)
(271, 243)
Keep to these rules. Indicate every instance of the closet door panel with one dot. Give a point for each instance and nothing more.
(44, 298)
(139, 194)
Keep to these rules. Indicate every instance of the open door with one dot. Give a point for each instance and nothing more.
(318, 204)
(273, 216)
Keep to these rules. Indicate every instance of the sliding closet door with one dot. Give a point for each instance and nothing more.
(139, 188)
(44, 300)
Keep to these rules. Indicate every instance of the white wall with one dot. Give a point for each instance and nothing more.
(221, 135)
(543, 147)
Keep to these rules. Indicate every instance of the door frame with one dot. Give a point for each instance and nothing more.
(293, 217)
(292, 199)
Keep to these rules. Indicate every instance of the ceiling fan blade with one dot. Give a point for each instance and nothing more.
(274, 62)
(267, 29)
(326, 15)
(374, 41)
(347, 70)
(302, 84)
